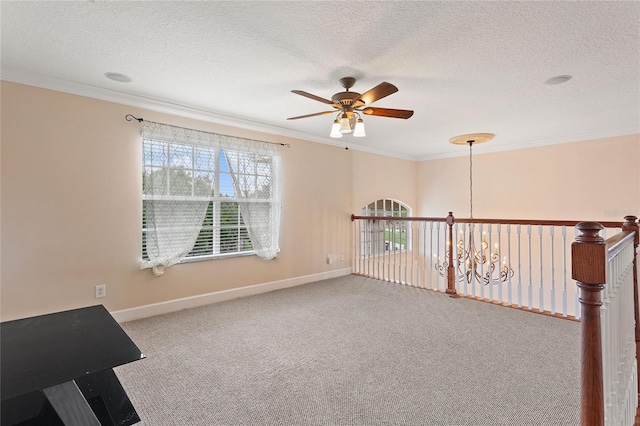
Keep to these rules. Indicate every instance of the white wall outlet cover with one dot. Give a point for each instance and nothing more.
(101, 291)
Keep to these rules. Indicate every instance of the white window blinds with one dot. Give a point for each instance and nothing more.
(207, 195)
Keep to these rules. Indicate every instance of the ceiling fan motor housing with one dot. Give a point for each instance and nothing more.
(345, 99)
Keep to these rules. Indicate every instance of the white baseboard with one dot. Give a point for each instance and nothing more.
(220, 296)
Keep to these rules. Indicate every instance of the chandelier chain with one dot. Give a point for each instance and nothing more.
(470, 180)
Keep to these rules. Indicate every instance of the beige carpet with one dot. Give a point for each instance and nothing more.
(354, 351)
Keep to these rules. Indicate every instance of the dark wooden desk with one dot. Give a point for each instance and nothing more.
(56, 369)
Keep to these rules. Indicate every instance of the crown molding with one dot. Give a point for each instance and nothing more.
(148, 103)
(487, 149)
(176, 109)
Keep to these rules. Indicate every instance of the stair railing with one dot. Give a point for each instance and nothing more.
(529, 265)
(519, 263)
(606, 273)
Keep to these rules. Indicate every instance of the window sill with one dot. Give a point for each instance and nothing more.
(216, 257)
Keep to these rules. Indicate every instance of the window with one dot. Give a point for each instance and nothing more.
(385, 207)
(385, 236)
(206, 196)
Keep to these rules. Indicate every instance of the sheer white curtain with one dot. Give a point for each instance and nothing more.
(176, 200)
(255, 170)
(186, 183)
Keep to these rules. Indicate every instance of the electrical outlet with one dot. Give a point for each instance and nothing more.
(341, 257)
(101, 291)
(329, 259)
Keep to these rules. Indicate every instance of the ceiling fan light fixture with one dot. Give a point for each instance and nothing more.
(345, 125)
(358, 132)
(335, 129)
(348, 106)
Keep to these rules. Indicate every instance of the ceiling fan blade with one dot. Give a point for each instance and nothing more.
(380, 91)
(311, 115)
(388, 112)
(311, 96)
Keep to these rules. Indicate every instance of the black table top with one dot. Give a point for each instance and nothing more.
(47, 350)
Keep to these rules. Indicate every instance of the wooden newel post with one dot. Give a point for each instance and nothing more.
(451, 275)
(588, 268)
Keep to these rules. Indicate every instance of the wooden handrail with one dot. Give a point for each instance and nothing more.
(535, 222)
(543, 222)
(618, 242)
(410, 219)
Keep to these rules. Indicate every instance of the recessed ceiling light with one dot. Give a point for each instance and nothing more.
(558, 80)
(120, 78)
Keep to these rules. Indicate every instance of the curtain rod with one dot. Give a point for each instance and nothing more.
(130, 117)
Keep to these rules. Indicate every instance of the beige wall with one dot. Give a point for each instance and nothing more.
(588, 180)
(376, 176)
(71, 201)
(71, 209)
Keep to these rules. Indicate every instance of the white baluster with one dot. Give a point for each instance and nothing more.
(519, 266)
(463, 237)
(439, 258)
(553, 273)
(541, 287)
(564, 271)
(509, 290)
(577, 293)
(456, 261)
(499, 251)
(489, 273)
(481, 283)
(530, 287)
(431, 254)
(410, 226)
(379, 247)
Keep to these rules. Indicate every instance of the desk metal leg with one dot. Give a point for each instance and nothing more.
(71, 405)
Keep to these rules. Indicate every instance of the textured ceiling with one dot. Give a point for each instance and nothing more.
(461, 66)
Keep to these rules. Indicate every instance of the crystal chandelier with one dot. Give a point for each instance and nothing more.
(475, 263)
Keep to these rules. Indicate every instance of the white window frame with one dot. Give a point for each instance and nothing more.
(217, 200)
(371, 242)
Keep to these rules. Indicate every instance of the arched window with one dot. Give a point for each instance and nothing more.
(382, 237)
(386, 207)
